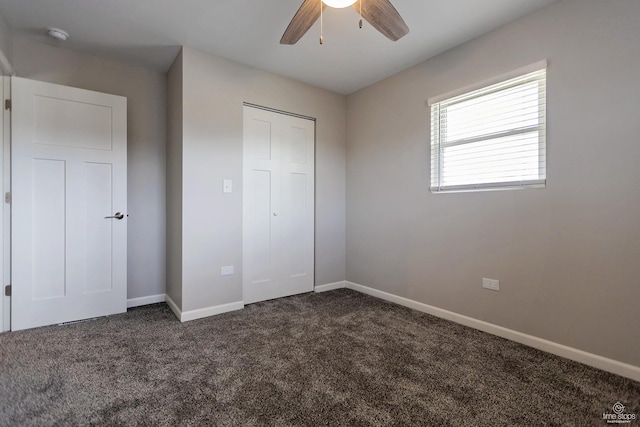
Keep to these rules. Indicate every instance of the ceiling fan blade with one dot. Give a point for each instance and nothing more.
(383, 17)
(304, 19)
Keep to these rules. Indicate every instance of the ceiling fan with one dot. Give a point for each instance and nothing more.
(379, 13)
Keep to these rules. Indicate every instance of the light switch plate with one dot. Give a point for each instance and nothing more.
(227, 186)
(227, 270)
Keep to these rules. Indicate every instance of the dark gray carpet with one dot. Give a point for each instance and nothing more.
(338, 358)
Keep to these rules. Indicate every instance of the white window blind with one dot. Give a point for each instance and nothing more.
(491, 138)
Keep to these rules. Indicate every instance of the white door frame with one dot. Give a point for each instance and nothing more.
(5, 212)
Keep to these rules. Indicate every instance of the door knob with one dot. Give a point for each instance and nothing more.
(118, 216)
(275, 214)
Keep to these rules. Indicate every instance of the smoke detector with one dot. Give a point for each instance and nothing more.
(58, 34)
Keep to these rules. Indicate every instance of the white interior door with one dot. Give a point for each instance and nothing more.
(69, 174)
(278, 205)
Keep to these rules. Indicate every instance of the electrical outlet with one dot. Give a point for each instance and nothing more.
(226, 270)
(491, 284)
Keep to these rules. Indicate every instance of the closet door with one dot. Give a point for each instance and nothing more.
(278, 205)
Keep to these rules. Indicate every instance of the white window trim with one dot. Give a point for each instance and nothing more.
(512, 185)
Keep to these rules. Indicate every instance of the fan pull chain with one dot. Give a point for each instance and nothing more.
(321, 37)
(360, 24)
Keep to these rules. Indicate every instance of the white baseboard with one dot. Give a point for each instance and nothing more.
(590, 359)
(211, 311)
(173, 306)
(330, 287)
(185, 316)
(152, 299)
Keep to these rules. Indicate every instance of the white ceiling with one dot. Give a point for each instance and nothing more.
(150, 33)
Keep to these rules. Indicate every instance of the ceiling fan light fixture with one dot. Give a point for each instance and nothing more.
(380, 14)
(339, 4)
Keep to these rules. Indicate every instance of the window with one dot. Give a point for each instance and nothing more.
(491, 137)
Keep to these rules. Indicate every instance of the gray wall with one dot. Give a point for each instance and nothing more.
(174, 181)
(6, 48)
(214, 90)
(146, 99)
(568, 256)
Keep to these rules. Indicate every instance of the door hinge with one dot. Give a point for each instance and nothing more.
(7, 104)
(7, 198)
(7, 291)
